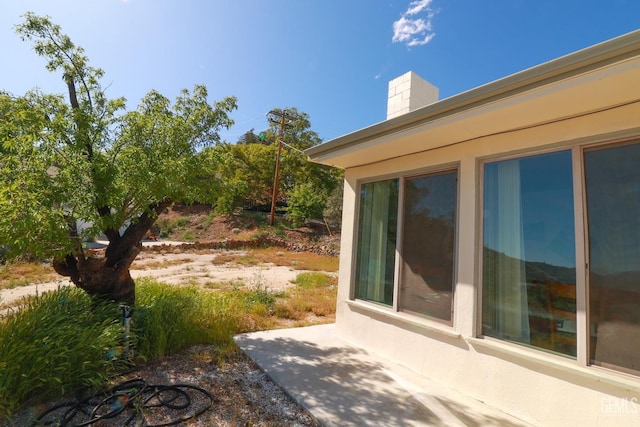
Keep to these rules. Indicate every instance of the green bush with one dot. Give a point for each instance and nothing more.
(305, 203)
(259, 295)
(167, 227)
(58, 343)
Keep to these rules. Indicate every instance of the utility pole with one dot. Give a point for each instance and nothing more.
(280, 118)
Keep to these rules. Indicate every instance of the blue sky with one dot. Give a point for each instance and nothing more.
(331, 59)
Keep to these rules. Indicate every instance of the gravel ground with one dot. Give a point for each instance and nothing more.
(242, 394)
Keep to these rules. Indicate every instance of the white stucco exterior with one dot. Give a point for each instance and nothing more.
(587, 98)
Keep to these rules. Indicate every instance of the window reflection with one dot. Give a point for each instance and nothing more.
(529, 254)
(426, 285)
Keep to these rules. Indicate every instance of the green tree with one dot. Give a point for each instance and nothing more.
(255, 161)
(228, 187)
(253, 165)
(250, 137)
(85, 160)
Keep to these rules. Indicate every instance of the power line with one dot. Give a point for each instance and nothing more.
(292, 147)
(283, 119)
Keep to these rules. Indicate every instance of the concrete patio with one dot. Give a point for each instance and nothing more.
(343, 385)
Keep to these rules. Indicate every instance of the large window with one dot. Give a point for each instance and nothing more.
(529, 277)
(425, 234)
(429, 216)
(612, 177)
(529, 253)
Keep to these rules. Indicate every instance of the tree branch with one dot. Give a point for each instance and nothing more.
(135, 232)
(112, 235)
(73, 63)
(71, 87)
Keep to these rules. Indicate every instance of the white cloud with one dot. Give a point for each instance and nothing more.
(414, 30)
(418, 6)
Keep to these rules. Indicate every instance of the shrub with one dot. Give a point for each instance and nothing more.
(305, 203)
(167, 227)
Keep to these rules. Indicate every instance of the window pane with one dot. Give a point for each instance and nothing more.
(613, 209)
(529, 252)
(376, 256)
(428, 245)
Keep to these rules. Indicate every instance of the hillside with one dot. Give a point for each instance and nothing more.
(198, 224)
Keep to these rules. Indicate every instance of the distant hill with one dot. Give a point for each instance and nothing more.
(535, 271)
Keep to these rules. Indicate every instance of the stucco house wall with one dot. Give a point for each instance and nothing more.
(588, 98)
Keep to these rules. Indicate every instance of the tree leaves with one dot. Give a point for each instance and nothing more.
(107, 168)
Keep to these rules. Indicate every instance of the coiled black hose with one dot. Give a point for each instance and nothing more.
(131, 403)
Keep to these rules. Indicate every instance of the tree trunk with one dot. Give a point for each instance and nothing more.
(108, 276)
(97, 276)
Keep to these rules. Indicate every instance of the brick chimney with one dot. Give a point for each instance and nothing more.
(409, 92)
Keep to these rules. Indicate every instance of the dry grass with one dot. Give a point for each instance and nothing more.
(222, 285)
(25, 273)
(295, 260)
(311, 301)
(158, 264)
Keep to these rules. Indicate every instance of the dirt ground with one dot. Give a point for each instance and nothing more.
(178, 267)
(169, 258)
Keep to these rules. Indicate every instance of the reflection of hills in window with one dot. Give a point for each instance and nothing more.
(535, 271)
(528, 205)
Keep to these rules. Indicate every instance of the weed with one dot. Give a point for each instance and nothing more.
(227, 257)
(168, 318)
(20, 273)
(181, 222)
(315, 293)
(208, 220)
(314, 279)
(223, 285)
